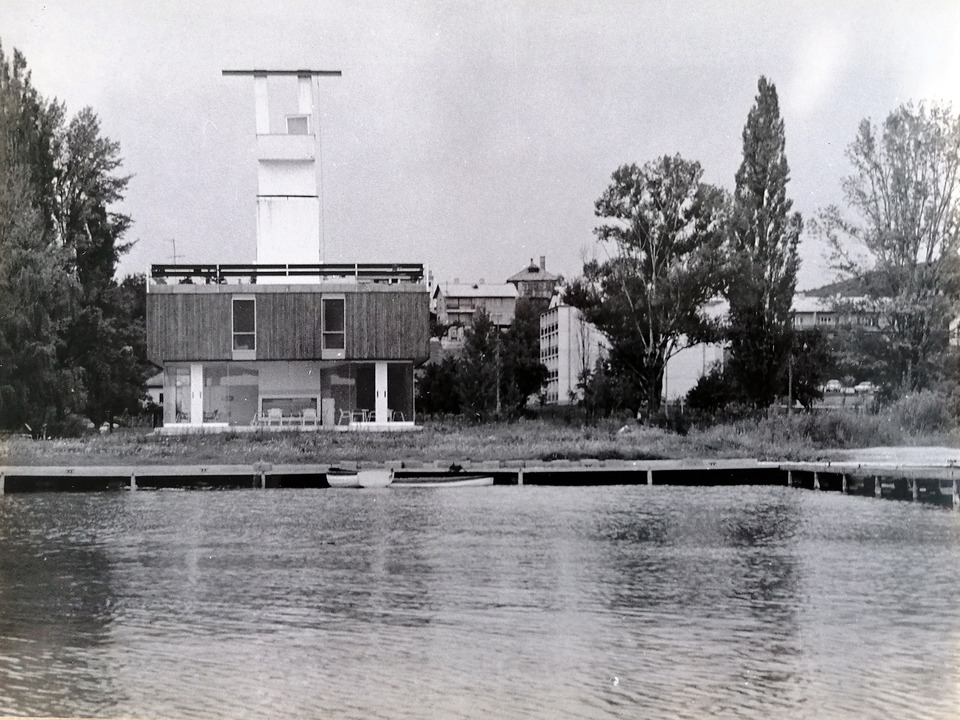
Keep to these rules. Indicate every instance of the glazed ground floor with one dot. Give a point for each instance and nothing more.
(288, 394)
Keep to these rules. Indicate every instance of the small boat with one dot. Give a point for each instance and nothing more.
(374, 478)
(344, 478)
(443, 481)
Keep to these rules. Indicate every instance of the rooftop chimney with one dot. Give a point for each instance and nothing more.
(543, 262)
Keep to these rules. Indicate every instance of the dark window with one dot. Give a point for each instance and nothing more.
(333, 324)
(244, 325)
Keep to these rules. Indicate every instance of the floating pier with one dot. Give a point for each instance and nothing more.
(934, 483)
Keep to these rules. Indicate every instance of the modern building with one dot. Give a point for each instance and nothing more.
(287, 342)
(569, 345)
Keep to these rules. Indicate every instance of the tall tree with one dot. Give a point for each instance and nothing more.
(479, 368)
(66, 326)
(522, 374)
(37, 392)
(106, 335)
(902, 243)
(663, 238)
(86, 186)
(763, 256)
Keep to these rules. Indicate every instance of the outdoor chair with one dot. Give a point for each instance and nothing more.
(275, 416)
(309, 417)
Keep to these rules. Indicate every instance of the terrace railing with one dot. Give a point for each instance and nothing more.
(221, 274)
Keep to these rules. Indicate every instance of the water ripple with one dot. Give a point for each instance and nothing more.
(508, 602)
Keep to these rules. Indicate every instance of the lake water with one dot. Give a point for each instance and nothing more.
(512, 602)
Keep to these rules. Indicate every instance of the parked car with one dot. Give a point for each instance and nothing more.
(864, 388)
(833, 386)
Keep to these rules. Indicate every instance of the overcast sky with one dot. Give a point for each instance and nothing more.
(472, 136)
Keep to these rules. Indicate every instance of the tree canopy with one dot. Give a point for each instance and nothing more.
(902, 238)
(71, 337)
(663, 238)
(764, 234)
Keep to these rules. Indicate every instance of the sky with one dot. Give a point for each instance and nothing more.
(472, 136)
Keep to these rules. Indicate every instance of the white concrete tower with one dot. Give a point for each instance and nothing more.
(288, 199)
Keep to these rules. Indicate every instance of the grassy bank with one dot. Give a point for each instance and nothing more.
(797, 437)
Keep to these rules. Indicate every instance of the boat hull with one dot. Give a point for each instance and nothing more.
(337, 478)
(444, 482)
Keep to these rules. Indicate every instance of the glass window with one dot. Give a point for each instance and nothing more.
(333, 324)
(298, 125)
(244, 324)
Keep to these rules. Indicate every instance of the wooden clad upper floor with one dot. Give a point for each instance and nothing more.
(351, 321)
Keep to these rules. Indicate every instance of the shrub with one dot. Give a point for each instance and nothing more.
(922, 412)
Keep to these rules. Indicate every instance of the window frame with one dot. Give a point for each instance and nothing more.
(331, 351)
(243, 353)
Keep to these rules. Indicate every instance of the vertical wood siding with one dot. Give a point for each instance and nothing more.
(188, 327)
(379, 325)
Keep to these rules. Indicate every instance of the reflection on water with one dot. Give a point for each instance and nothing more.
(504, 602)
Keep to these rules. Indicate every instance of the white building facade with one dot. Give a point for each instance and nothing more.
(569, 345)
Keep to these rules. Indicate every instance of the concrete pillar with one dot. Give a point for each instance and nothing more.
(877, 487)
(3, 479)
(649, 477)
(305, 95)
(520, 476)
(843, 489)
(789, 478)
(260, 96)
(914, 490)
(196, 393)
(956, 492)
(263, 481)
(816, 481)
(133, 481)
(380, 388)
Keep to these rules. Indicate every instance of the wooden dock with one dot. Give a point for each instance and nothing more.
(938, 483)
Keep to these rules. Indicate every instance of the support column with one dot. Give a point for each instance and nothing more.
(262, 104)
(133, 481)
(843, 488)
(649, 477)
(520, 476)
(956, 492)
(3, 479)
(877, 487)
(816, 480)
(196, 393)
(914, 490)
(305, 96)
(380, 386)
(789, 478)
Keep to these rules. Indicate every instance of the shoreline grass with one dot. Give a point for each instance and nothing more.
(797, 437)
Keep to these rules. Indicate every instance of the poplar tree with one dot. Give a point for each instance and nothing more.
(763, 256)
